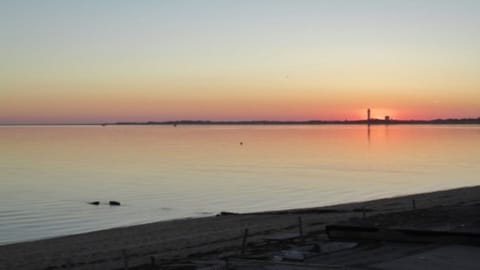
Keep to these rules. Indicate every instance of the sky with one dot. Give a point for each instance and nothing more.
(113, 60)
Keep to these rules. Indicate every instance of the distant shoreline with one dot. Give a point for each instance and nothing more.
(449, 121)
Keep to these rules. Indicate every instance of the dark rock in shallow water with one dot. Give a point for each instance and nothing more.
(94, 203)
(114, 203)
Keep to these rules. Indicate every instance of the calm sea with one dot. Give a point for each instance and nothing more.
(49, 173)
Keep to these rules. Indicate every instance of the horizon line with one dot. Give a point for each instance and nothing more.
(286, 122)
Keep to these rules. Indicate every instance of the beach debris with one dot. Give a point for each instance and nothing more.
(293, 255)
(282, 237)
(114, 203)
(277, 258)
(225, 213)
(241, 143)
(330, 247)
(94, 203)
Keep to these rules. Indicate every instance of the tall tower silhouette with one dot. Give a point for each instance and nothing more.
(368, 115)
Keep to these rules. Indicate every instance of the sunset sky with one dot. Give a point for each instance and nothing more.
(106, 61)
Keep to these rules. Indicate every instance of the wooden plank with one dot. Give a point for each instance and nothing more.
(349, 232)
(279, 237)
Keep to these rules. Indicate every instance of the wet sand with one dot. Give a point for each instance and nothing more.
(178, 240)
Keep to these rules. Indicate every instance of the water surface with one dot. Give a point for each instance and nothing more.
(49, 173)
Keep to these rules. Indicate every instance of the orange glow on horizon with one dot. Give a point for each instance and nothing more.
(144, 102)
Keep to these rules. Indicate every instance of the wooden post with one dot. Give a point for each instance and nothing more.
(125, 259)
(244, 242)
(152, 262)
(300, 226)
(227, 263)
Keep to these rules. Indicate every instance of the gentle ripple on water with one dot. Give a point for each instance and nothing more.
(49, 174)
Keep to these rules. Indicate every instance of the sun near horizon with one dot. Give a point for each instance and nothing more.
(89, 61)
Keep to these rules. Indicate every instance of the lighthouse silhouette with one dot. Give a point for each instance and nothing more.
(368, 115)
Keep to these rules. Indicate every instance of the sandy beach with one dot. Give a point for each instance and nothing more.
(216, 236)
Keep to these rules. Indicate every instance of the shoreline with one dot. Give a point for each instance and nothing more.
(403, 123)
(313, 122)
(330, 208)
(191, 237)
